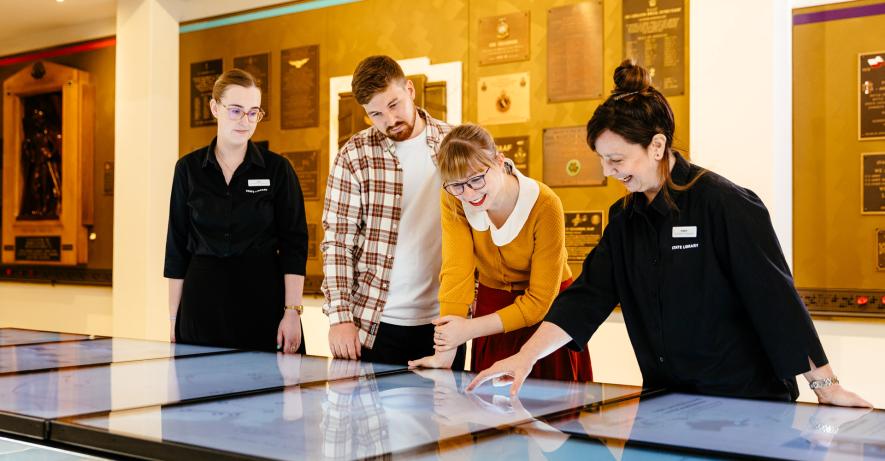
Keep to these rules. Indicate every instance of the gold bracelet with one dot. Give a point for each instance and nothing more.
(299, 308)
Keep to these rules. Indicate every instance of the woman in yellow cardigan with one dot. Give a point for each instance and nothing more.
(509, 230)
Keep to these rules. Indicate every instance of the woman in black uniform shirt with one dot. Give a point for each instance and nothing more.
(693, 260)
(236, 248)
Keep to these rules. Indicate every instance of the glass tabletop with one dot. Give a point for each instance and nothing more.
(17, 336)
(76, 391)
(14, 450)
(533, 441)
(78, 353)
(345, 419)
(778, 430)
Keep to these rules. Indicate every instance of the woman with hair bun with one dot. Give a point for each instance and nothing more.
(693, 260)
(236, 246)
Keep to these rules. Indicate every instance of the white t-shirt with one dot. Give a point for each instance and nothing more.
(413, 294)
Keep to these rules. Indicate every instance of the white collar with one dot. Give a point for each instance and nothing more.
(525, 201)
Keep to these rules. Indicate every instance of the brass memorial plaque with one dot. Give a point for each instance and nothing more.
(568, 161)
(871, 94)
(307, 166)
(654, 37)
(515, 148)
(203, 76)
(583, 230)
(259, 66)
(574, 52)
(873, 183)
(504, 38)
(300, 87)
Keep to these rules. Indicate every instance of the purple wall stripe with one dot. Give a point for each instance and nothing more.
(844, 13)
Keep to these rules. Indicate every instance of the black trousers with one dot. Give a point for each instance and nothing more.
(397, 345)
(232, 302)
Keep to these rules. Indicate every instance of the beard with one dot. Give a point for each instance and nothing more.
(404, 134)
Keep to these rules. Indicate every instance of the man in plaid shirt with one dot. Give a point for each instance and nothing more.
(381, 220)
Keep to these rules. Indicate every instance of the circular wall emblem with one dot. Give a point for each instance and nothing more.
(573, 167)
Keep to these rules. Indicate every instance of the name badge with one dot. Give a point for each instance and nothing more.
(259, 182)
(685, 232)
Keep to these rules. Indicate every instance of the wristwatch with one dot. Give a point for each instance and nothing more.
(299, 308)
(822, 383)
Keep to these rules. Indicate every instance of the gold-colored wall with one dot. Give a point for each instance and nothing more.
(834, 245)
(444, 31)
(100, 65)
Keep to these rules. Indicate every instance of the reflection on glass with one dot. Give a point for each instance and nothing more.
(54, 355)
(727, 425)
(15, 336)
(118, 386)
(522, 443)
(352, 418)
(14, 450)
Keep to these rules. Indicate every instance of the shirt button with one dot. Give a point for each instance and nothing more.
(389, 256)
(227, 235)
(661, 359)
(654, 261)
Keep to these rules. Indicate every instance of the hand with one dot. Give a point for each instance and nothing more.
(437, 360)
(450, 332)
(513, 370)
(344, 341)
(839, 396)
(289, 332)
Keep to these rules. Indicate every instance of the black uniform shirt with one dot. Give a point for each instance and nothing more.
(262, 210)
(706, 294)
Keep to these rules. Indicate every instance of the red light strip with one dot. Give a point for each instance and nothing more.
(61, 51)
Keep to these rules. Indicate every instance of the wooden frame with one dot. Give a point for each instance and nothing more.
(77, 121)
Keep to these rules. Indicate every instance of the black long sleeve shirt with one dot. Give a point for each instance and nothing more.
(262, 210)
(707, 296)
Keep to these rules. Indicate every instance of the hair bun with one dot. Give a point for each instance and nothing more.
(630, 77)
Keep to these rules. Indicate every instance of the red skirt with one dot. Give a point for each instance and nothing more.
(563, 364)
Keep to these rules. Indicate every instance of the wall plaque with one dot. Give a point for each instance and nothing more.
(300, 87)
(654, 37)
(259, 66)
(583, 230)
(307, 166)
(568, 161)
(503, 99)
(873, 183)
(504, 38)
(574, 52)
(880, 248)
(871, 99)
(515, 148)
(108, 179)
(203, 76)
(43, 249)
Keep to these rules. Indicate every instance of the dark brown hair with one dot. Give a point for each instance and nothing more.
(237, 77)
(373, 75)
(637, 112)
(467, 147)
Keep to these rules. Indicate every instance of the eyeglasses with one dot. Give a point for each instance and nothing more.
(476, 183)
(236, 113)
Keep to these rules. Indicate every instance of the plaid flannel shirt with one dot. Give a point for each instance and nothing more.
(361, 217)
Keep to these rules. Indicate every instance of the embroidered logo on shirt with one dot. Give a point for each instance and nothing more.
(259, 182)
(683, 232)
(255, 191)
(687, 246)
